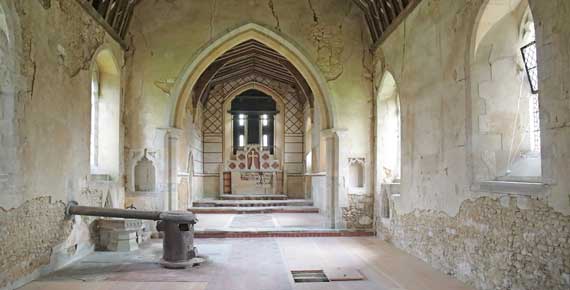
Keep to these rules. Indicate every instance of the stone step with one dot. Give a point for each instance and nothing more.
(252, 210)
(286, 233)
(252, 203)
(253, 197)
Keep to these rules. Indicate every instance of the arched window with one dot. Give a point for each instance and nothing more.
(95, 94)
(105, 113)
(253, 120)
(388, 126)
(506, 121)
(308, 144)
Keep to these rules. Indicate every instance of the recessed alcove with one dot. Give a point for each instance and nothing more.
(356, 172)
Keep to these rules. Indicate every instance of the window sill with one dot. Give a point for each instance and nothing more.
(512, 187)
(100, 177)
(393, 189)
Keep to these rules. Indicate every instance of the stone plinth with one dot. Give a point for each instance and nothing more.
(119, 235)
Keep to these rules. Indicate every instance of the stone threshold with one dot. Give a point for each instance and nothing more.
(252, 203)
(251, 210)
(253, 197)
(301, 233)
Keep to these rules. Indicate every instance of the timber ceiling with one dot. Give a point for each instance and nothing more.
(383, 16)
(114, 14)
(251, 57)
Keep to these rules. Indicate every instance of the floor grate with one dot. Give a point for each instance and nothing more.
(309, 276)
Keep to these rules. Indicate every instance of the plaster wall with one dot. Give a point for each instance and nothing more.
(442, 214)
(45, 85)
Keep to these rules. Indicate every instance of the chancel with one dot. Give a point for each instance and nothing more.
(252, 166)
(279, 144)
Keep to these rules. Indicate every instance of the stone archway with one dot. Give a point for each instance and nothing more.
(192, 71)
(187, 80)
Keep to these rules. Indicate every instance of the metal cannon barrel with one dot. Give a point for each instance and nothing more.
(178, 228)
(178, 217)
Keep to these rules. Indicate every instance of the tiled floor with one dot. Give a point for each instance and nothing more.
(274, 221)
(254, 264)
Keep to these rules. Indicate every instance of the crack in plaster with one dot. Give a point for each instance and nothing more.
(404, 49)
(212, 15)
(33, 82)
(274, 13)
(315, 17)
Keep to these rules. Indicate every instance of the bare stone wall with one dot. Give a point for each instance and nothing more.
(493, 243)
(27, 235)
(359, 214)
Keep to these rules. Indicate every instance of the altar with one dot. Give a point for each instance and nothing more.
(254, 171)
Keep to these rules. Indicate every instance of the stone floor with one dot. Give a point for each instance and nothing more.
(255, 222)
(255, 264)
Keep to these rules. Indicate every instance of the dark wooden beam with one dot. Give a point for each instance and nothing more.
(411, 6)
(114, 15)
(95, 14)
(384, 16)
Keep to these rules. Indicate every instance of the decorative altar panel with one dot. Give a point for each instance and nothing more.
(254, 171)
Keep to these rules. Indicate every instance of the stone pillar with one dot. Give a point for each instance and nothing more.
(335, 196)
(284, 180)
(171, 198)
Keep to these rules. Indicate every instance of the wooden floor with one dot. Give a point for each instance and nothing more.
(255, 264)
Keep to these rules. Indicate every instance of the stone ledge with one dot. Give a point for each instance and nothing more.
(100, 177)
(316, 174)
(512, 187)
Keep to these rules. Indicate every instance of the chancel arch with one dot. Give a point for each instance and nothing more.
(187, 81)
(255, 57)
(505, 113)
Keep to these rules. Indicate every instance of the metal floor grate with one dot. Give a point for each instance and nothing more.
(310, 276)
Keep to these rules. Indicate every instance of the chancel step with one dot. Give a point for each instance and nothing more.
(300, 233)
(253, 197)
(252, 210)
(252, 203)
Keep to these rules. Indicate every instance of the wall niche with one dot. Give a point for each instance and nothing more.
(356, 172)
(145, 174)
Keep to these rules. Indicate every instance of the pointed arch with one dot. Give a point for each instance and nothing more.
(251, 31)
(105, 113)
(279, 134)
(388, 134)
(499, 28)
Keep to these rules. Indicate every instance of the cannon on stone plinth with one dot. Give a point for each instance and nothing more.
(178, 227)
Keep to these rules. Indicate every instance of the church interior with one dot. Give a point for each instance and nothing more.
(284, 144)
